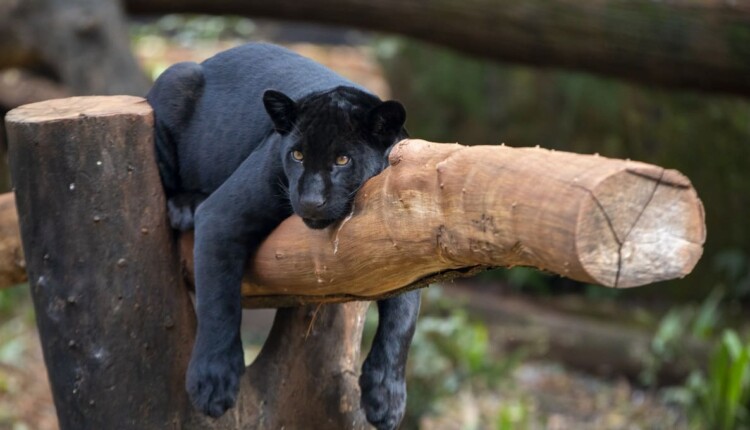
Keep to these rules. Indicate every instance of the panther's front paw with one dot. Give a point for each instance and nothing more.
(383, 394)
(213, 383)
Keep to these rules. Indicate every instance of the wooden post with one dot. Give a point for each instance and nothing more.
(306, 375)
(114, 317)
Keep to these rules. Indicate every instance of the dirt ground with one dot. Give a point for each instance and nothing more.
(25, 398)
(548, 396)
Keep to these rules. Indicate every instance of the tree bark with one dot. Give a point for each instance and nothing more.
(18, 87)
(114, 317)
(306, 375)
(697, 44)
(83, 44)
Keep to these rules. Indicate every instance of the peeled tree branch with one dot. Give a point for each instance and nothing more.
(442, 207)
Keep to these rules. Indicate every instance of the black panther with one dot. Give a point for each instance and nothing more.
(244, 140)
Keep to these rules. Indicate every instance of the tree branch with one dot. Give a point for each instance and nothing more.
(699, 44)
(82, 43)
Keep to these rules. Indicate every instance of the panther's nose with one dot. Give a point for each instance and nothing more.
(312, 203)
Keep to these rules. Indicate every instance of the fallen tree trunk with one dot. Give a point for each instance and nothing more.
(19, 88)
(699, 44)
(591, 344)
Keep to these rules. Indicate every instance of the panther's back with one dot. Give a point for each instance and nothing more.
(210, 116)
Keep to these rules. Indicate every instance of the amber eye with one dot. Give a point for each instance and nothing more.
(342, 160)
(297, 155)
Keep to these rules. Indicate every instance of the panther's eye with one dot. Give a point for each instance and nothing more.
(342, 160)
(297, 155)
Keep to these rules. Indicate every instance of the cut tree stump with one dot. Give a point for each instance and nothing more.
(115, 323)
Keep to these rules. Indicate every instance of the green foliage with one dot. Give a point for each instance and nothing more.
(720, 399)
(526, 279)
(16, 316)
(514, 415)
(192, 30)
(13, 298)
(677, 329)
(13, 342)
(154, 38)
(733, 265)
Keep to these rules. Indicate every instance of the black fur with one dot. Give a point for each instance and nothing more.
(244, 140)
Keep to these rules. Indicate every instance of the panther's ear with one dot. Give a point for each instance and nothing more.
(281, 109)
(386, 119)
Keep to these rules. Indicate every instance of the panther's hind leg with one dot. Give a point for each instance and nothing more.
(181, 209)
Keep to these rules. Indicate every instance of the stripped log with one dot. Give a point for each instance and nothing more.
(443, 207)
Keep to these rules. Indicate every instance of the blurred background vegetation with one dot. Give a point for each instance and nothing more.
(517, 349)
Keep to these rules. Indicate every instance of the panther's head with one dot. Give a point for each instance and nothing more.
(331, 143)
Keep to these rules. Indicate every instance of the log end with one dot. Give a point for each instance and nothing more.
(641, 225)
(76, 107)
